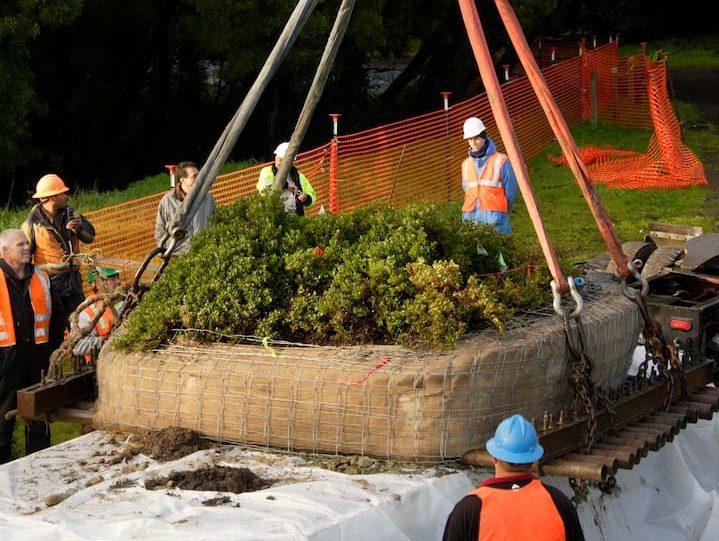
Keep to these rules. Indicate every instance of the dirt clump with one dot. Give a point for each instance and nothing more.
(214, 502)
(214, 478)
(162, 445)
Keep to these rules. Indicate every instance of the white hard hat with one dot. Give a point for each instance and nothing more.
(473, 127)
(281, 150)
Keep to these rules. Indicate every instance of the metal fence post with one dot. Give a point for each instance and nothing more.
(171, 169)
(334, 166)
(445, 100)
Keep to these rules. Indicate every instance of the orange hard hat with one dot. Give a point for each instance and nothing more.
(48, 186)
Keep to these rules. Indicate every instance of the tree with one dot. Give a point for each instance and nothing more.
(21, 22)
(111, 90)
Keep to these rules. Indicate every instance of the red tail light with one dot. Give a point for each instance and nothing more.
(680, 324)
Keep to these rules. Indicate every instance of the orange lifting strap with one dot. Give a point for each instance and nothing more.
(556, 121)
(504, 124)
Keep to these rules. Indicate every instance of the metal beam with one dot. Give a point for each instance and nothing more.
(41, 399)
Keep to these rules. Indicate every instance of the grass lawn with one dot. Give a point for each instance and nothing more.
(567, 217)
(700, 52)
(59, 433)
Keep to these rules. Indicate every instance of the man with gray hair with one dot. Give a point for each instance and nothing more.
(32, 321)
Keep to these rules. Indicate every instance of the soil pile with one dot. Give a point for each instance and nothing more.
(215, 478)
(162, 445)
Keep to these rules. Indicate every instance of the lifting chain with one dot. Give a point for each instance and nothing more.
(608, 484)
(587, 395)
(580, 489)
(137, 290)
(660, 353)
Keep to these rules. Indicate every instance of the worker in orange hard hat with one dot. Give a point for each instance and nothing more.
(55, 233)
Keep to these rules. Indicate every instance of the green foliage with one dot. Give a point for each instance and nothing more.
(377, 275)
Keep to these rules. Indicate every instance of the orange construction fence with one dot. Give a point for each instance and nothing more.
(418, 159)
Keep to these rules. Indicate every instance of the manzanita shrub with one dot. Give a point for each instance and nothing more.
(417, 276)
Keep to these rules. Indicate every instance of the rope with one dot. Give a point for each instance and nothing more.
(64, 353)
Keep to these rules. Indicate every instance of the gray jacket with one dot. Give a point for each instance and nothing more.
(166, 212)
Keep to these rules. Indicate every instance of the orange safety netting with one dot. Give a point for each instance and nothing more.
(632, 92)
(418, 159)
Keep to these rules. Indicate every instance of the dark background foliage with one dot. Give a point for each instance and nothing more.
(107, 91)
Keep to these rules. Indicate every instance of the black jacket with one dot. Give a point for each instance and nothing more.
(20, 365)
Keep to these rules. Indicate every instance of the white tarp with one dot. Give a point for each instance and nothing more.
(670, 495)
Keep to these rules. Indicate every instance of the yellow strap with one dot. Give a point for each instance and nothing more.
(266, 345)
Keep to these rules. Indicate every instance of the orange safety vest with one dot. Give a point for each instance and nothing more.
(104, 324)
(41, 306)
(48, 253)
(525, 513)
(484, 187)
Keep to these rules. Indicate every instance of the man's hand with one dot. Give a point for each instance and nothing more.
(75, 224)
(302, 197)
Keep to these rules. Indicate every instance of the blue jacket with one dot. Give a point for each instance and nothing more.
(500, 220)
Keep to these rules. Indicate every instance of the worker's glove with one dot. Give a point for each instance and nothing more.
(90, 345)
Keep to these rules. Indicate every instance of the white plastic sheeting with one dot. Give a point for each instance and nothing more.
(670, 495)
(306, 503)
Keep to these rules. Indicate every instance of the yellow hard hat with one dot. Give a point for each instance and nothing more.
(48, 186)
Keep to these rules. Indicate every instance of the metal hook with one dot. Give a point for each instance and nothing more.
(576, 297)
(634, 271)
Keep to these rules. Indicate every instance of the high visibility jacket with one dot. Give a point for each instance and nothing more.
(49, 245)
(484, 187)
(41, 301)
(527, 513)
(104, 323)
(267, 177)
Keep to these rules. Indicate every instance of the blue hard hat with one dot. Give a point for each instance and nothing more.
(515, 441)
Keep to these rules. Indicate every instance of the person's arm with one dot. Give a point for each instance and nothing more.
(86, 232)
(463, 521)
(212, 205)
(160, 229)
(308, 190)
(29, 234)
(90, 345)
(572, 527)
(510, 183)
